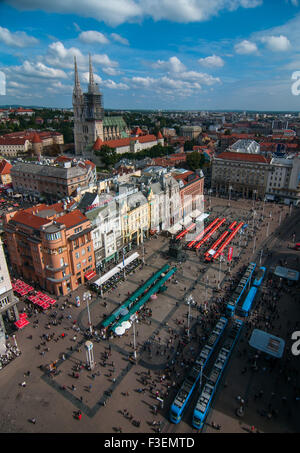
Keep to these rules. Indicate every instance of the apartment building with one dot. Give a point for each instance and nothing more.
(50, 245)
(53, 181)
(242, 174)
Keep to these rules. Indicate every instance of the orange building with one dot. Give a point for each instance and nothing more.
(50, 245)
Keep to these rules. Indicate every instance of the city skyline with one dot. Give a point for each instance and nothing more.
(223, 55)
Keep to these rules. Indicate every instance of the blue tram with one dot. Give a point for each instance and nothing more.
(183, 396)
(203, 405)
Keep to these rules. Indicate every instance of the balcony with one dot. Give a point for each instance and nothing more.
(56, 269)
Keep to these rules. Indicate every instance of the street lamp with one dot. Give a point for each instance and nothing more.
(254, 244)
(229, 189)
(87, 296)
(254, 196)
(134, 343)
(219, 278)
(189, 300)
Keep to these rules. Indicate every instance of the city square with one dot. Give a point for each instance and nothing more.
(105, 392)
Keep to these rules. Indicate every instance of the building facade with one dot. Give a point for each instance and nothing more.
(53, 181)
(50, 245)
(283, 182)
(8, 302)
(242, 174)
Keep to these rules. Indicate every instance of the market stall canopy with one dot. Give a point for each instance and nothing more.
(115, 270)
(120, 330)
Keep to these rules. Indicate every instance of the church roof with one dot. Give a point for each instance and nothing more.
(109, 121)
(98, 143)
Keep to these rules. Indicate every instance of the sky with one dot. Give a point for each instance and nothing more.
(153, 54)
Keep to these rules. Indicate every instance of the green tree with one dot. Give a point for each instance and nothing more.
(108, 155)
(188, 146)
(195, 160)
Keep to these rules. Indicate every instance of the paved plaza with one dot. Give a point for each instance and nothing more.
(118, 393)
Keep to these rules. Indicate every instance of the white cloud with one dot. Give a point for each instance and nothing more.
(212, 62)
(183, 84)
(16, 39)
(172, 65)
(110, 71)
(145, 82)
(277, 43)
(105, 83)
(37, 70)
(58, 55)
(245, 47)
(119, 38)
(116, 12)
(93, 36)
(58, 87)
(202, 77)
(104, 60)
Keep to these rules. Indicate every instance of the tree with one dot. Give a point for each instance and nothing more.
(108, 155)
(189, 144)
(195, 160)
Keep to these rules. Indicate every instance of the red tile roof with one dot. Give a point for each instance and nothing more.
(5, 167)
(72, 219)
(228, 155)
(98, 143)
(28, 219)
(126, 141)
(36, 138)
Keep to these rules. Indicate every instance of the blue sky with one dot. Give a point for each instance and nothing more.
(153, 54)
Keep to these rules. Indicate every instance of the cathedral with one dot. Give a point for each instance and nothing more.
(90, 123)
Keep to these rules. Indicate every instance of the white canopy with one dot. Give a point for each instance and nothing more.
(119, 330)
(116, 269)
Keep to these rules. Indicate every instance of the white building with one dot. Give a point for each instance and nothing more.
(8, 303)
(283, 182)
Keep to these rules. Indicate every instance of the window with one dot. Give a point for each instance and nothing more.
(77, 255)
(89, 248)
(83, 252)
(78, 266)
(53, 236)
(90, 259)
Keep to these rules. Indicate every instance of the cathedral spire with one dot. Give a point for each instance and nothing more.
(91, 76)
(77, 87)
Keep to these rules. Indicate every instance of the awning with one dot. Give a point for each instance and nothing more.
(187, 220)
(21, 323)
(175, 228)
(116, 269)
(270, 197)
(90, 275)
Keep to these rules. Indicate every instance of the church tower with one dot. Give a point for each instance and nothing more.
(88, 113)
